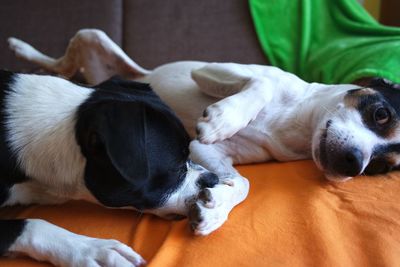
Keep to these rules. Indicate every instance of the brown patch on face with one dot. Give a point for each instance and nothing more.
(393, 158)
(393, 130)
(364, 81)
(352, 98)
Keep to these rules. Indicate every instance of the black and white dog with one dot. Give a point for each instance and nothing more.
(250, 113)
(116, 144)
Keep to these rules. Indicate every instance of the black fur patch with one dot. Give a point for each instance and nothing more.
(135, 146)
(379, 163)
(385, 149)
(10, 230)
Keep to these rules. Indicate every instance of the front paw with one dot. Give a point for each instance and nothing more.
(209, 210)
(103, 252)
(221, 121)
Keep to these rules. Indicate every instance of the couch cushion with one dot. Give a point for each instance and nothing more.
(157, 32)
(48, 25)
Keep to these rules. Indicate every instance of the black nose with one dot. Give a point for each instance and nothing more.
(207, 179)
(348, 162)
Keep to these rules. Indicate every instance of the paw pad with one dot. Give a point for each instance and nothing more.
(206, 196)
(194, 215)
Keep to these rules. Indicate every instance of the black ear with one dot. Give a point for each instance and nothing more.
(135, 146)
(122, 133)
(112, 138)
(381, 82)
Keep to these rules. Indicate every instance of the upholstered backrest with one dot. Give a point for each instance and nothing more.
(49, 24)
(152, 32)
(157, 32)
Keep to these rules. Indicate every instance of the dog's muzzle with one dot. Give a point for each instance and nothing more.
(339, 161)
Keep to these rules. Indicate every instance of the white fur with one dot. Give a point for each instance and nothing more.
(225, 197)
(46, 242)
(40, 121)
(31, 192)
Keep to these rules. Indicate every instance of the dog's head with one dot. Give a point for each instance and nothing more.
(135, 147)
(361, 135)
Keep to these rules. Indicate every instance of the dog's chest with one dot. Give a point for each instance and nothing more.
(280, 134)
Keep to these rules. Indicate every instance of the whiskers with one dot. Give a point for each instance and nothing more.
(332, 112)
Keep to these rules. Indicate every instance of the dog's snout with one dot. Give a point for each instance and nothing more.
(349, 162)
(207, 179)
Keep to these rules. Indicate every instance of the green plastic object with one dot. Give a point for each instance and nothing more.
(328, 41)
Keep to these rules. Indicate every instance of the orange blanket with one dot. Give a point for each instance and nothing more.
(292, 217)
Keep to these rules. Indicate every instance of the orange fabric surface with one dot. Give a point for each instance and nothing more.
(292, 217)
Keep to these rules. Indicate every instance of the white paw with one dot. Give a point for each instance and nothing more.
(211, 209)
(21, 49)
(221, 121)
(102, 252)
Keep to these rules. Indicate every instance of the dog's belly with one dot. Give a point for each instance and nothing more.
(173, 83)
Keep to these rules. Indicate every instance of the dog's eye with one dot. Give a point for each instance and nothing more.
(382, 116)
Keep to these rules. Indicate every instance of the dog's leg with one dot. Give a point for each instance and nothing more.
(213, 205)
(44, 241)
(244, 95)
(245, 89)
(206, 198)
(90, 51)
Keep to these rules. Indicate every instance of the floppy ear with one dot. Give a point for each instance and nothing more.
(135, 146)
(124, 139)
(112, 138)
(221, 79)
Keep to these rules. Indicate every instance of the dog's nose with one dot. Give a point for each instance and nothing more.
(349, 162)
(207, 179)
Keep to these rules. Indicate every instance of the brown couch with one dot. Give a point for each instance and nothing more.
(152, 32)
